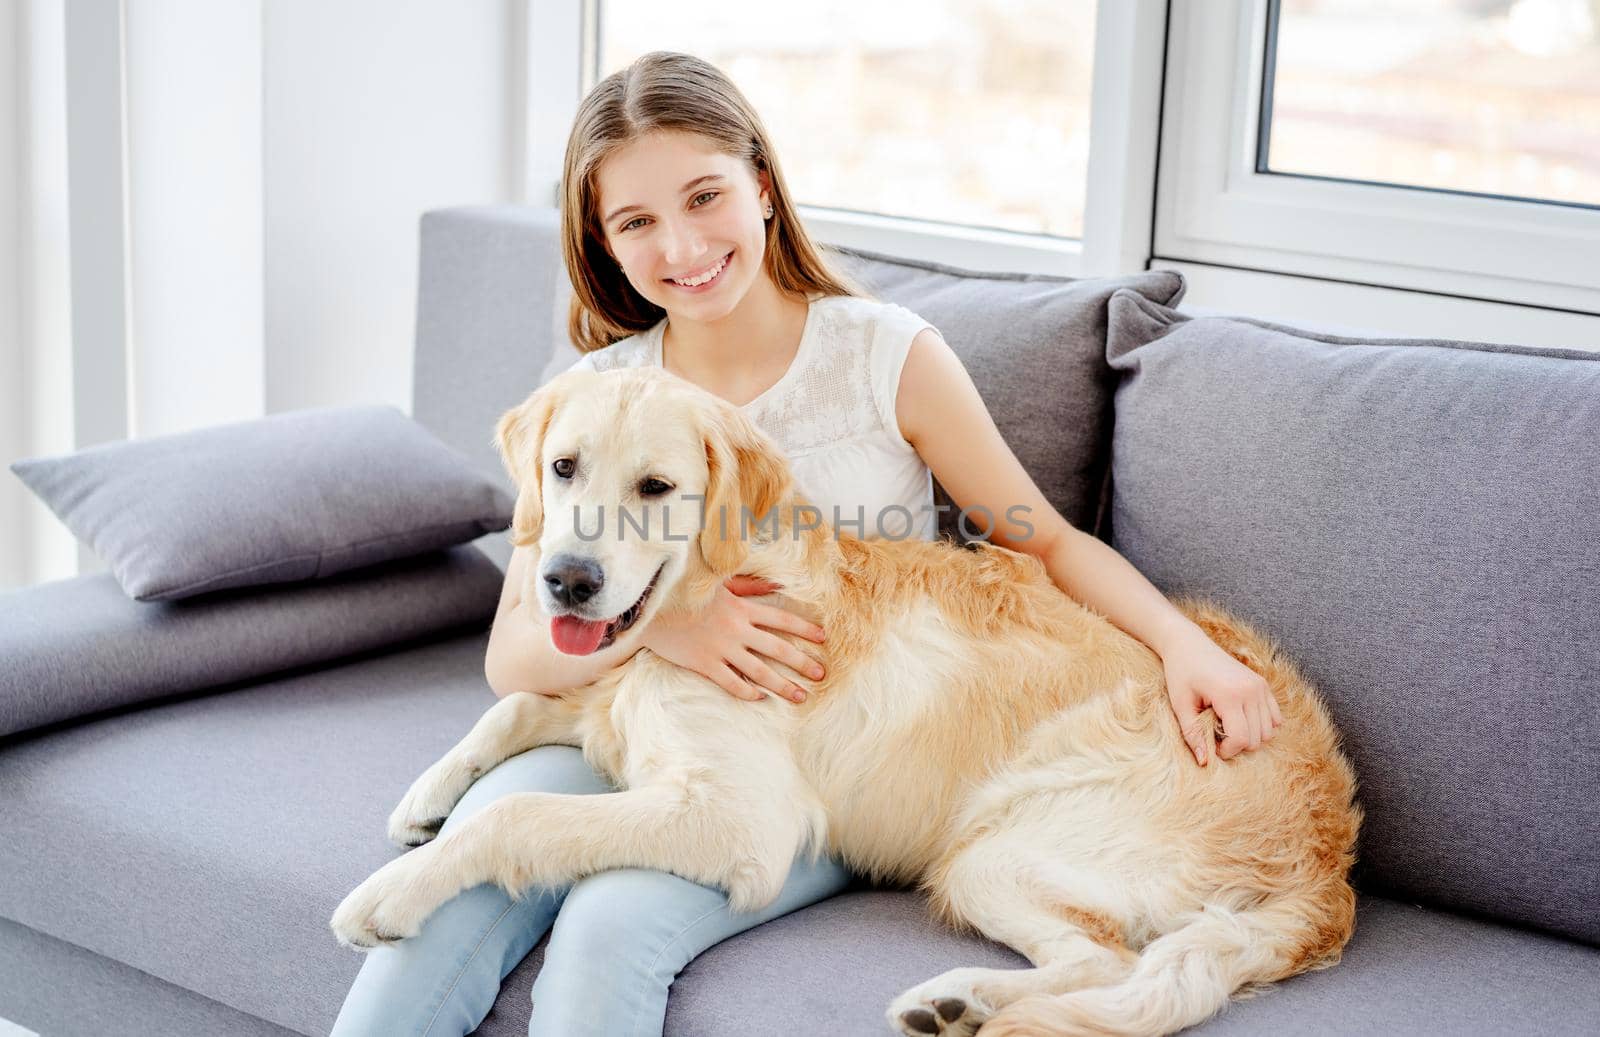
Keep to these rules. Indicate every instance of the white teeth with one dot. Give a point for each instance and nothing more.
(703, 278)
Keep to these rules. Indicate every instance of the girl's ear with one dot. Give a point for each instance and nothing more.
(519, 435)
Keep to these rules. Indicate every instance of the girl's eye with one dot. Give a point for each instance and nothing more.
(695, 201)
(653, 487)
(564, 467)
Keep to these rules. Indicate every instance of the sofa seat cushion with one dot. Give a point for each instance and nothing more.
(207, 840)
(833, 968)
(55, 989)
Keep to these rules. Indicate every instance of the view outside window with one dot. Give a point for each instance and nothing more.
(956, 111)
(1487, 96)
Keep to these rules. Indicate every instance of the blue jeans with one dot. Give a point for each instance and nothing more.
(621, 937)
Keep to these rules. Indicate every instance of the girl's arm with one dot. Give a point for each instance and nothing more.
(941, 414)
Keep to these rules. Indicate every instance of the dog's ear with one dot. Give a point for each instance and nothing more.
(519, 436)
(746, 473)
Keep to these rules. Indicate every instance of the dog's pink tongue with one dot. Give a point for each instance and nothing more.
(576, 636)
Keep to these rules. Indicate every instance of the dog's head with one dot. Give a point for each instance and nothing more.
(623, 480)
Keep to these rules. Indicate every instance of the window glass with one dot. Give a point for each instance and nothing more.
(955, 111)
(1498, 97)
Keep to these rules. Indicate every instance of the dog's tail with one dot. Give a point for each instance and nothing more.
(1186, 976)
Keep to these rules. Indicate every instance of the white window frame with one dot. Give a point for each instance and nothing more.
(1129, 37)
(1213, 207)
(557, 42)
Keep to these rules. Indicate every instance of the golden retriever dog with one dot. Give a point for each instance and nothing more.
(978, 735)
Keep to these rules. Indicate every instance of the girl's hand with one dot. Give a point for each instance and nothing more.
(1201, 674)
(726, 642)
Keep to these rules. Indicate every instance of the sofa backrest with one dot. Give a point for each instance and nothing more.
(1417, 523)
(486, 311)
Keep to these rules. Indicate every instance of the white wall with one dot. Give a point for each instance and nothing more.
(375, 112)
(194, 158)
(278, 156)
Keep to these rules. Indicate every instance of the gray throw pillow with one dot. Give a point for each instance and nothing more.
(1415, 522)
(1035, 346)
(294, 496)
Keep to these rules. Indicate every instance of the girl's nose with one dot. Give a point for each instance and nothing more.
(680, 243)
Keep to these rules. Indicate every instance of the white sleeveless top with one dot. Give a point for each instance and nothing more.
(833, 415)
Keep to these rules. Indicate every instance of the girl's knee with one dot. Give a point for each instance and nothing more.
(630, 911)
(548, 768)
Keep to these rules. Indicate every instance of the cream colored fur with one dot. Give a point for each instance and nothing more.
(979, 735)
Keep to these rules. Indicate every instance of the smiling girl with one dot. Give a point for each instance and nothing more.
(685, 252)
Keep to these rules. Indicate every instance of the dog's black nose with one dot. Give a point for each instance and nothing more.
(573, 580)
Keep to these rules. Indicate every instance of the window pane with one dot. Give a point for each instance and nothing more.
(1483, 96)
(951, 110)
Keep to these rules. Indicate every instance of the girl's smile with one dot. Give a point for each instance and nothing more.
(702, 280)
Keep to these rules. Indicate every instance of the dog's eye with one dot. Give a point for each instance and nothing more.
(564, 467)
(653, 487)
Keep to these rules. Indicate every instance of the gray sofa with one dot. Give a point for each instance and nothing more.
(1417, 523)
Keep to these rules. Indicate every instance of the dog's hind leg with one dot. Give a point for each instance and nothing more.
(1000, 887)
(514, 724)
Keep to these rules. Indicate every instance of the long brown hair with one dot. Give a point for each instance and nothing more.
(667, 91)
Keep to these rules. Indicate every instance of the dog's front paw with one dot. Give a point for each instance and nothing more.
(422, 810)
(405, 829)
(387, 907)
(938, 1009)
